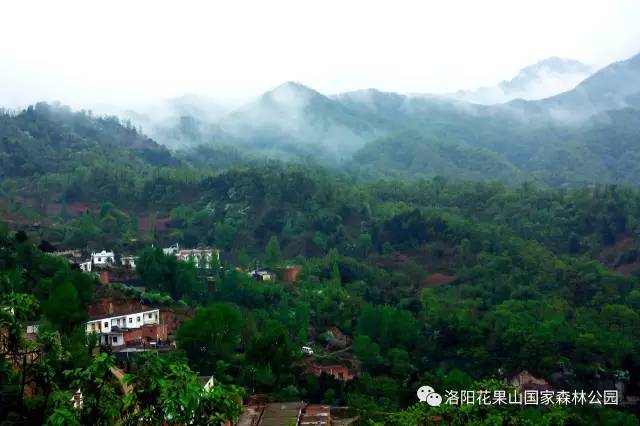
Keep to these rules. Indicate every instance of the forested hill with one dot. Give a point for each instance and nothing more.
(574, 138)
(295, 121)
(437, 281)
(602, 149)
(50, 138)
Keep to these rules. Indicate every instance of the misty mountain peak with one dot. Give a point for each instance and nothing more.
(293, 85)
(557, 64)
(552, 67)
(540, 80)
(616, 86)
(292, 94)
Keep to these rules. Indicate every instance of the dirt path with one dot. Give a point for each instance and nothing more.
(119, 374)
(339, 351)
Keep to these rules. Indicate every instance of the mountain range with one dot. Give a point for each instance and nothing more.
(584, 135)
(292, 120)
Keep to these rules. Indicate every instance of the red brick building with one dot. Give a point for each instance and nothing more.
(290, 274)
(173, 317)
(146, 334)
(339, 372)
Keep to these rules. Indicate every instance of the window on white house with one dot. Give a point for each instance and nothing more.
(130, 320)
(114, 339)
(138, 319)
(106, 324)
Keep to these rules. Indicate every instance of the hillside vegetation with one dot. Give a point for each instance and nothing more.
(454, 245)
(569, 139)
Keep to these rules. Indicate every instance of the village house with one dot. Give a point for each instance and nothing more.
(281, 413)
(527, 381)
(100, 262)
(128, 261)
(289, 274)
(316, 415)
(259, 412)
(77, 399)
(201, 257)
(207, 382)
(113, 273)
(28, 356)
(262, 275)
(171, 249)
(31, 327)
(173, 317)
(129, 328)
(338, 372)
(85, 266)
(75, 257)
(103, 258)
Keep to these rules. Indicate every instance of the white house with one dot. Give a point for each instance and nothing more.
(172, 249)
(85, 266)
(77, 399)
(207, 382)
(129, 261)
(111, 329)
(200, 257)
(262, 275)
(104, 257)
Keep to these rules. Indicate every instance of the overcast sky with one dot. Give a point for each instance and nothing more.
(133, 52)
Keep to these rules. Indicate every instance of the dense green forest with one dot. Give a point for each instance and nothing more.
(600, 150)
(539, 278)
